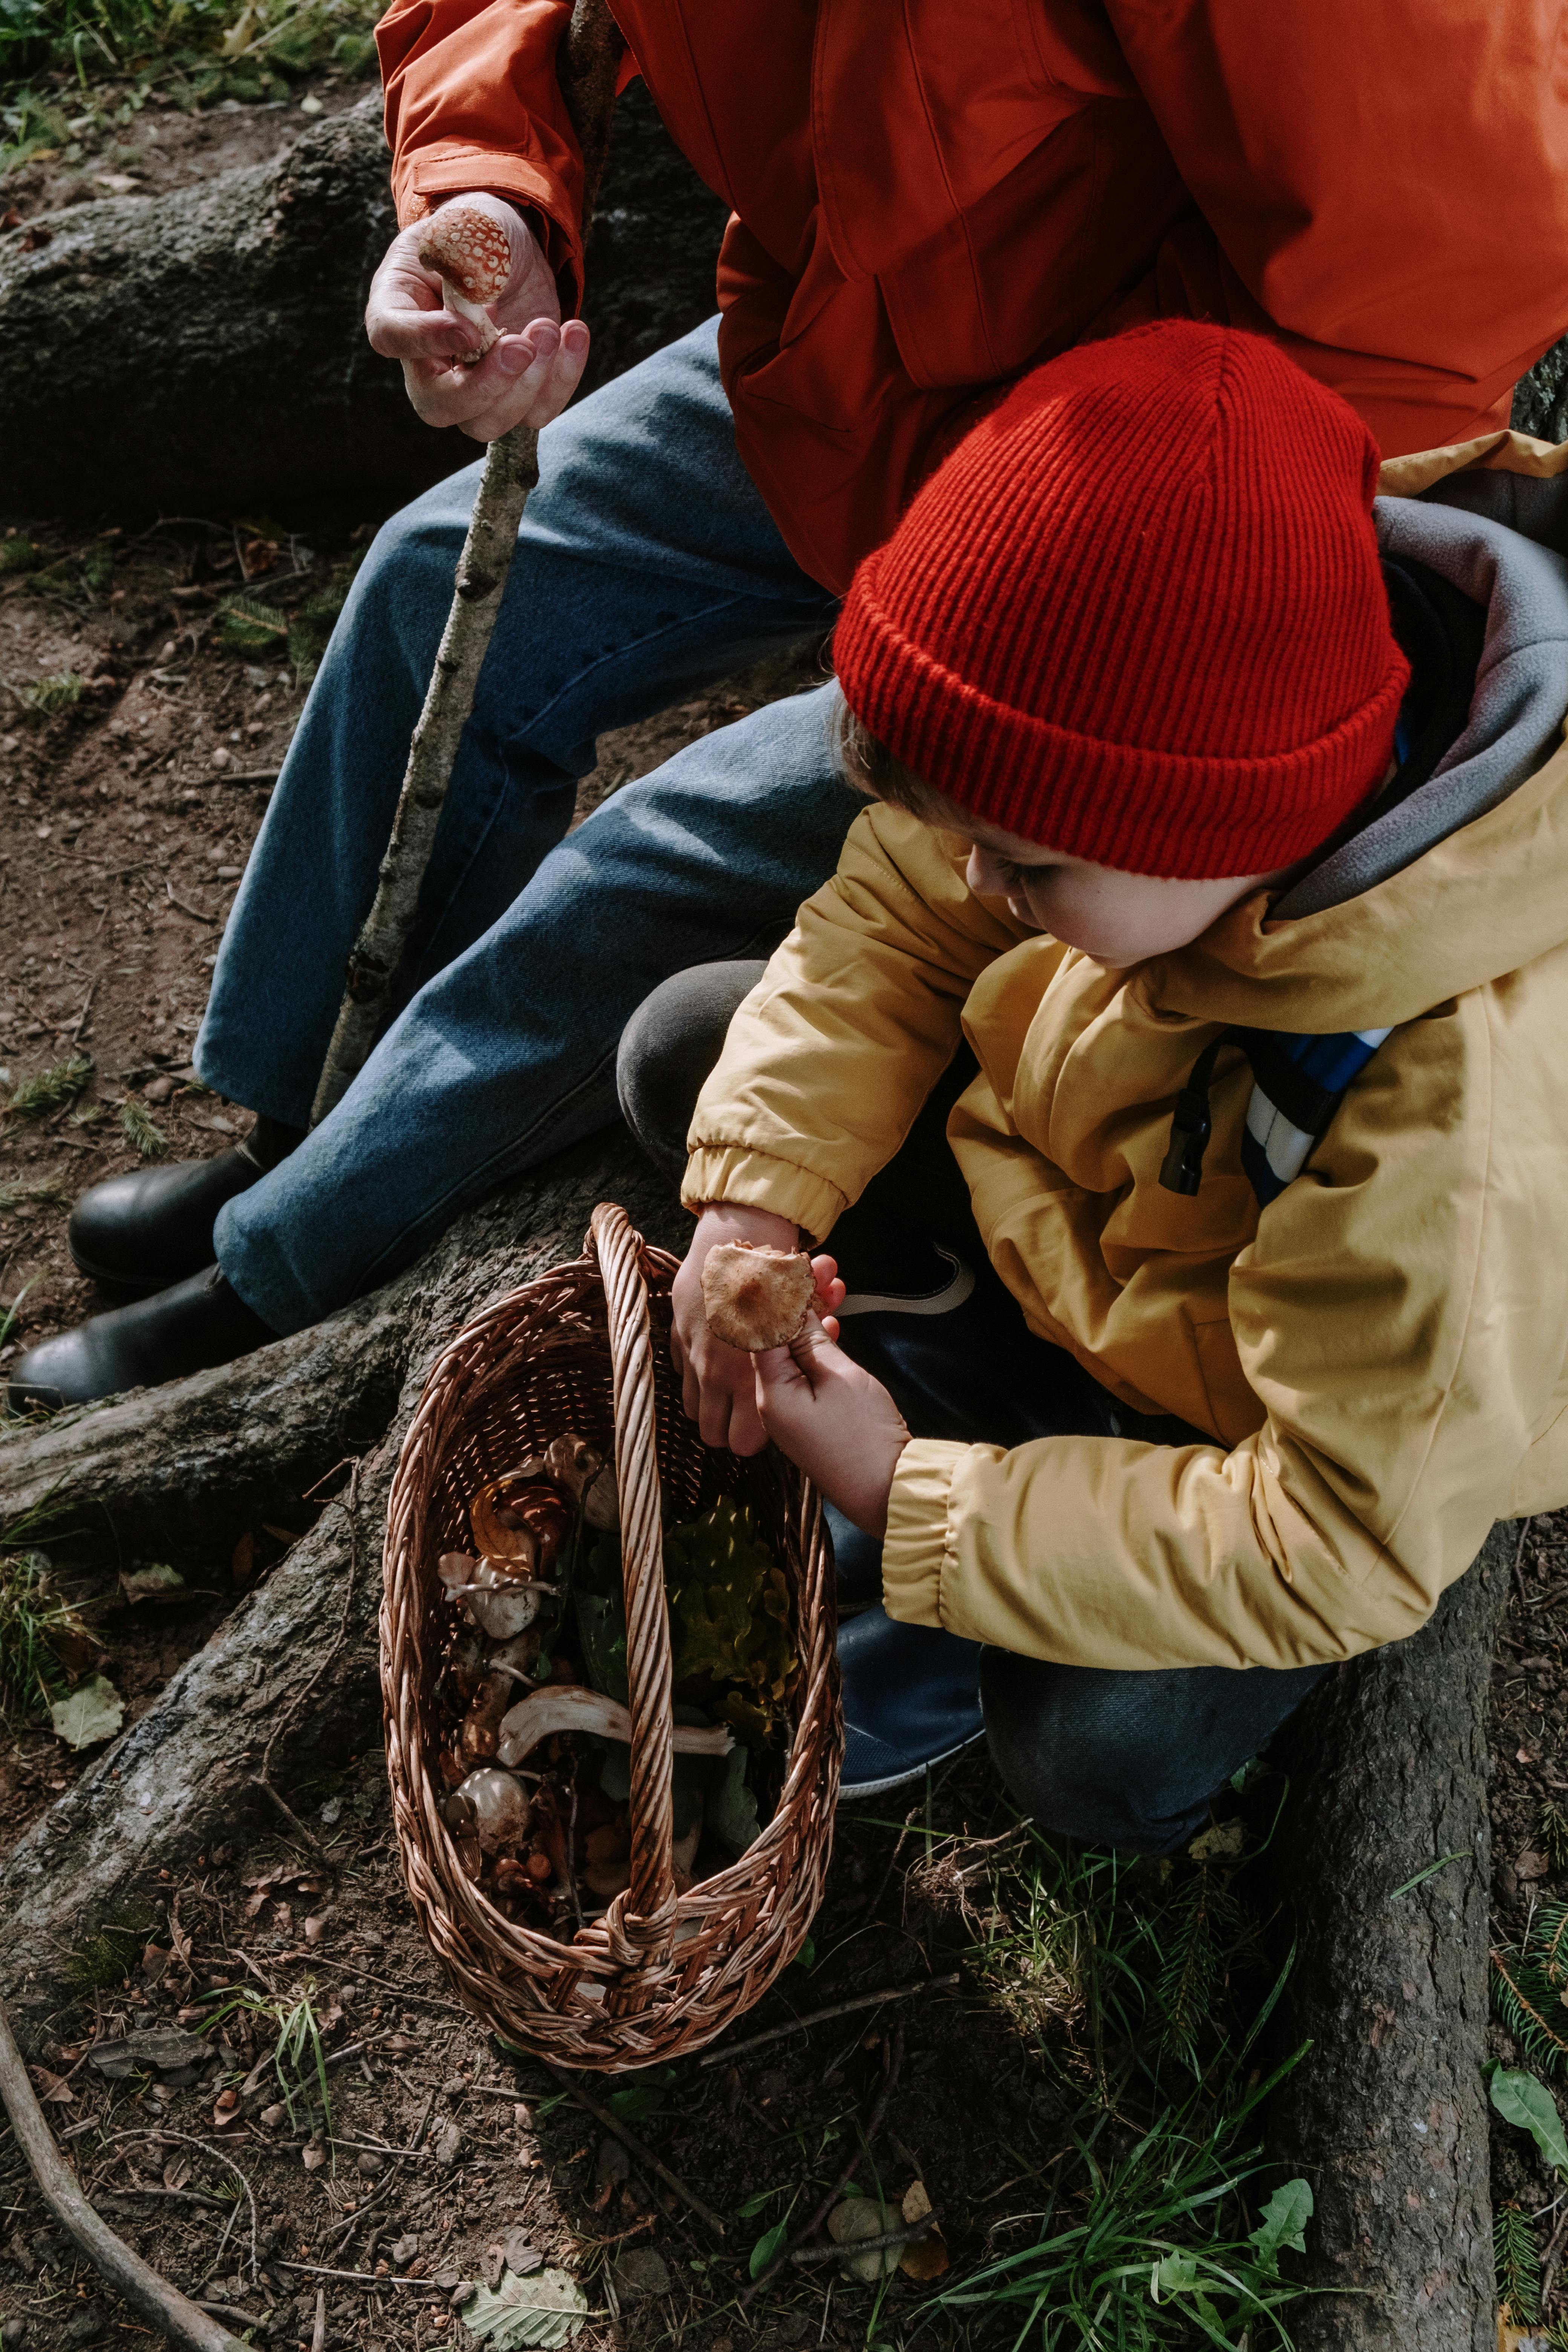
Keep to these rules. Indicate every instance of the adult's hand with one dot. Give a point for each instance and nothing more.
(526, 378)
(717, 1385)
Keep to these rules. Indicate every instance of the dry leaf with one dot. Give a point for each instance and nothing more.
(94, 1711)
(313, 2157)
(1219, 1843)
(51, 2087)
(154, 1960)
(315, 1928)
(177, 2171)
(927, 2257)
(1531, 1864)
(242, 1566)
(225, 2108)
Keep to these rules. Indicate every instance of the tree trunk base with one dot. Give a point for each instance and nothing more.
(1387, 2116)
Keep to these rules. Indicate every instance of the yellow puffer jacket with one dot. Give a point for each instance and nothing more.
(1380, 1353)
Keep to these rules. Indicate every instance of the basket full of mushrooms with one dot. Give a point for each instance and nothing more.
(613, 1731)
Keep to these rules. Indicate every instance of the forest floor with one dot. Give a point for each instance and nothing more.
(140, 732)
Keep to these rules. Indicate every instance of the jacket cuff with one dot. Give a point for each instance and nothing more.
(755, 1180)
(915, 1548)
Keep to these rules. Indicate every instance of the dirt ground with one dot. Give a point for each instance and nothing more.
(129, 798)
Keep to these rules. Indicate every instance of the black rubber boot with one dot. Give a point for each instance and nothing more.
(142, 1232)
(186, 1328)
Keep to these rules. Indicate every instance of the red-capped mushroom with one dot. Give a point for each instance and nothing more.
(471, 255)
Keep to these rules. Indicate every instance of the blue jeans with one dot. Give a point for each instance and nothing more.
(647, 567)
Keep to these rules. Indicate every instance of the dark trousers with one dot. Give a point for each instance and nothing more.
(1116, 1759)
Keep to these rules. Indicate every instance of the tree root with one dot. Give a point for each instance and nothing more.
(302, 1647)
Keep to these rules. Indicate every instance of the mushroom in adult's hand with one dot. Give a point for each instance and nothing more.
(755, 1298)
(471, 255)
(571, 1708)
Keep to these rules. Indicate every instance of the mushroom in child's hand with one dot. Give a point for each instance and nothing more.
(558, 1708)
(471, 255)
(755, 1298)
(584, 1471)
(493, 1805)
(482, 1724)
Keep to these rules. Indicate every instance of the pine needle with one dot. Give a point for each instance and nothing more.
(142, 1131)
(1517, 2265)
(1207, 1921)
(61, 692)
(247, 625)
(1554, 1833)
(50, 1090)
(1528, 1985)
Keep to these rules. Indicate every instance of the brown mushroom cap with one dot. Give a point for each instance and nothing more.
(753, 1296)
(468, 249)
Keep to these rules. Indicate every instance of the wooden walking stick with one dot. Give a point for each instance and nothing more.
(589, 64)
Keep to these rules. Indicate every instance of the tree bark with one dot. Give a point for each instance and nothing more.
(213, 339)
(187, 1769)
(1387, 2116)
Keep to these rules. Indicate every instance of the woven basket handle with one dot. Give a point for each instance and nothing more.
(640, 1922)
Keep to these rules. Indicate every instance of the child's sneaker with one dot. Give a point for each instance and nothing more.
(911, 1699)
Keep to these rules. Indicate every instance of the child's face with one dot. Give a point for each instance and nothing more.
(1115, 918)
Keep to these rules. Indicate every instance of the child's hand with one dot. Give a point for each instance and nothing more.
(833, 1420)
(718, 1388)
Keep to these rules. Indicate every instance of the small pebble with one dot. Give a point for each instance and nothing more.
(405, 2250)
(222, 756)
(368, 2162)
(13, 2333)
(640, 2274)
(158, 1091)
(448, 2145)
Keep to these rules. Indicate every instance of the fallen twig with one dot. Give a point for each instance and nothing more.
(230, 2311)
(351, 2278)
(629, 2141)
(220, 2156)
(907, 2236)
(184, 2323)
(893, 2058)
(821, 2016)
(194, 913)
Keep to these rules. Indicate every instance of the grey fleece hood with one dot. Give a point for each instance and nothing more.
(1502, 541)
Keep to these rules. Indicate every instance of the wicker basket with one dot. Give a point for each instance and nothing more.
(585, 1347)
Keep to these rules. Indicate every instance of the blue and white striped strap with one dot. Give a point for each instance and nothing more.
(1300, 1084)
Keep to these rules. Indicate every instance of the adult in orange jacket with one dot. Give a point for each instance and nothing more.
(926, 202)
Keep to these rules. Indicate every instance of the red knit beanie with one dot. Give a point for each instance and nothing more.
(1137, 615)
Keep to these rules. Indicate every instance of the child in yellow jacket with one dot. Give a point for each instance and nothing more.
(1172, 1060)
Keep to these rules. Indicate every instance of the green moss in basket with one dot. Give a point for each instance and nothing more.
(728, 1622)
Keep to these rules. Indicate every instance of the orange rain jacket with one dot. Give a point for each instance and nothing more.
(930, 198)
